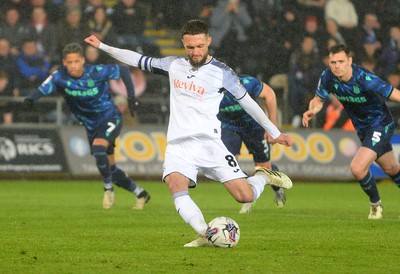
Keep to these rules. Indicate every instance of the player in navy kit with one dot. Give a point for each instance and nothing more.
(363, 97)
(86, 91)
(238, 127)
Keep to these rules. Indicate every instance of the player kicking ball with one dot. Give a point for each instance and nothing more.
(86, 91)
(194, 138)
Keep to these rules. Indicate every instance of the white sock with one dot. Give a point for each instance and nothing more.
(257, 182)
(190, 212)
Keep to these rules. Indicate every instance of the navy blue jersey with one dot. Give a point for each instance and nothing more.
(232, 115)
(363, 97)
(88, 97)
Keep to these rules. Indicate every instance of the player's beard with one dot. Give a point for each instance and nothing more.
(199, 63)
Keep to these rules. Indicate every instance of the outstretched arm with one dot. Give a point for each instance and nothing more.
(252, 108)
(127, 79)
(268, 94)
(128, 57)
(395, 96)
(93, 40)
(270, 103)
(33, 97)
(314, 107)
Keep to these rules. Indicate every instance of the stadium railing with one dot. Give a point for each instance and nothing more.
(37, 114)
(152, 109)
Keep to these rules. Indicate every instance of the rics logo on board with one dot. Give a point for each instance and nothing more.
(8, 151)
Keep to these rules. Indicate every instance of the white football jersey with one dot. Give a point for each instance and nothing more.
(195, 94)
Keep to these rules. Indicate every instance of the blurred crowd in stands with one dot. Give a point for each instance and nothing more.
(282, 42)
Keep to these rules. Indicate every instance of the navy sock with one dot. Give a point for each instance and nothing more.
(100, 154)
(120, 179)
(368, 184)
(396, 178)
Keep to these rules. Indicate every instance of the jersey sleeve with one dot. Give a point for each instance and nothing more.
(252, 85)
(376, 84)
(231, 83)
(111, 72)
(255, 111)
(156, 65)
(322, 88)
(257, 87)
(132, 58)
(49, 85)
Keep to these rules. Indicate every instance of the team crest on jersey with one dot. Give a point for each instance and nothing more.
(90, 82)
(193, 70)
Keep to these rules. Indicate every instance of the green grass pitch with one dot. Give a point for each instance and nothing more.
(60, 227)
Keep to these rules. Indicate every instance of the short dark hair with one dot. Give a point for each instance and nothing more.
(72, 48)
(339, 48)
(28, 39)
(195, 26)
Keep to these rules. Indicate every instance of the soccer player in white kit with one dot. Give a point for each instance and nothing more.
(197, 86)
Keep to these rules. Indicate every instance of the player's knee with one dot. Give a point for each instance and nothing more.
(100, 154)
(176, 182)
(391, 170)
(358, 171)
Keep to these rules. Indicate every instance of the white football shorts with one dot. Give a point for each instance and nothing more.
(210, 156)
